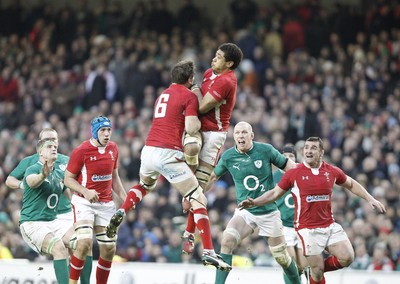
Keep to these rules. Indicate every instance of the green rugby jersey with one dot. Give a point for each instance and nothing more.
(252, 172)
(64, 204)
(40, 204)
(285, 203)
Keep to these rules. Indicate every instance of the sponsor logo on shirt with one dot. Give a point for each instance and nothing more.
(96, 178)
(317, 198)
(172, 176)
(236, 166)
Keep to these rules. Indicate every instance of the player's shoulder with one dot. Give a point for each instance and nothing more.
(332, 168)
(264, 147)
(62, 159)
(84, 146)
(229, 153)
(31, 159)
(208, 73)
(300, 167)
(34, 166)
(112, 145)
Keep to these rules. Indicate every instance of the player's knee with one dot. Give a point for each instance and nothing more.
(191, 149)
(346, 260)
(53, 245)
(197, 198)
(84, 237)
(192, 160)
(107, 245)
(103, 240)
(203, 174)
(59, 251)
(230, 239)
(148, 186)
(192, 143)
(281, 255)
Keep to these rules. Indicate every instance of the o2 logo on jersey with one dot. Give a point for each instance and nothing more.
(252, 179)
(289, 201)
(161, 107)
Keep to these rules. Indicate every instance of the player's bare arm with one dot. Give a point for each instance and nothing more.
(192, 124)
(118, 188)
(266, 198)
(13, 182)
(207, 103)
(356, 188)
(35, 180)
(197, 91)
(67, 193)
(70, 181)
(211, 182)
(289, 165)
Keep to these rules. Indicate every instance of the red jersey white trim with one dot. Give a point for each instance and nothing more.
(312, 192)
(223, 89)
(170, 110)
(94, 167)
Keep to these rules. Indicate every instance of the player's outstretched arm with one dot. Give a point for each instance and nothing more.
(13, 182)
(356, 188)
(266, 198)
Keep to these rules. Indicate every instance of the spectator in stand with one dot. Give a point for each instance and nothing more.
(244, 12)
(380, 259)
(8, 86)
(100, 85)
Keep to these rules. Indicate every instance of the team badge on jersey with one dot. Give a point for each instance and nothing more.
(258, 164)
(62, 167)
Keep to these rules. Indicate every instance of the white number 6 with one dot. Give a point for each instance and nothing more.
(161, 107)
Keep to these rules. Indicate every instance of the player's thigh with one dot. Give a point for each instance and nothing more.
(238, 223)
(149, 160)
(270, 225)
(314, 241)
(103, 212)
(339, 244)
(212, 144)
(171, 165)
(64, 224)
(82, 209)
(290, 236)
(34, 234)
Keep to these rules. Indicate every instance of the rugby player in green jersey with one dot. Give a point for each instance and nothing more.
(64, 209)
(40, 229)
(250, 164)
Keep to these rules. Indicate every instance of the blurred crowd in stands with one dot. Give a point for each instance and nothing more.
(307, 71)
